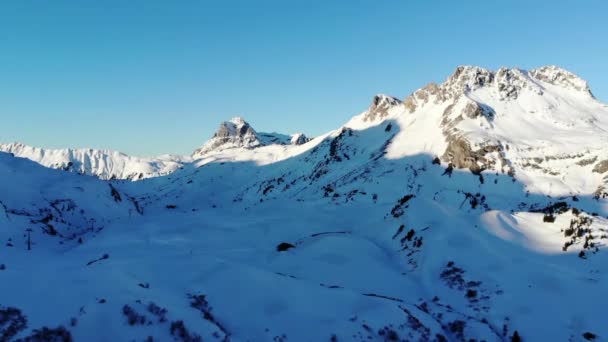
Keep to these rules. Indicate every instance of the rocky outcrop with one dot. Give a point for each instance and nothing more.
(238, 133)
(380, 106)
(601, 167)
(299, 139)
(560, 77)
(474, 110)
(588, 161)
(460, 154)
(231, 134)
(510, 83)
(465, 79)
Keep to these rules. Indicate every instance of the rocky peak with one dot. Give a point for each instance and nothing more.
(560, 77)
(233, 133)
(299, 139)
(511, 81)
(238, 133)
(236, 127)
(507, 83)
(467, 78)
(379, 108)
(464, 79)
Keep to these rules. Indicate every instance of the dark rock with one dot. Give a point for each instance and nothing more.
(589, 336)
(601, 167)
(380, 106)
(283, 246)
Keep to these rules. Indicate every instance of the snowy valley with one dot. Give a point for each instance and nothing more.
(471, 210)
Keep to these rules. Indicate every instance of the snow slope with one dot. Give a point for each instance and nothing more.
(471, 210)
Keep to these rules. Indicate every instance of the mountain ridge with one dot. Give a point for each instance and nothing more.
(468, 211)
(105, 164)
(460, 90)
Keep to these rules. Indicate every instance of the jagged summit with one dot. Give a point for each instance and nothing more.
(380, 105)
(233, 133)
(467, 120)
(238, 133)
(542, 122)
(509, 82)
(505, 84)
(560, 77)
(299, 139)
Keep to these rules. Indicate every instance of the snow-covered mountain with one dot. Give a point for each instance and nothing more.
(473, 209)
(544, 124)
(107, 165)
(104, 164)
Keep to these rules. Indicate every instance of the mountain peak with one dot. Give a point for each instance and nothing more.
(233, 133)
(299, 139)
(561, 77)
(467, 77)
(379, 107)
(239, 121)
(238, 133)
(507, 83)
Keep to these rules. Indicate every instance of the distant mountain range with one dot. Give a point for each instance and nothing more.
(106, 164)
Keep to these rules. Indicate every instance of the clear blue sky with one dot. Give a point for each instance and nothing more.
(152, 77)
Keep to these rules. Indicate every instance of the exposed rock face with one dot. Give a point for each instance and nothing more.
(380, 106)
(601, 167)
(234, 133)
(299, 139)
(465, 79)
(475, 110)
(236, 127)
(460, 107)
(600, 192)
(238, 133)
(560, 77)
(474, 101)
(510, 83)
(460, 154)
(585, 162)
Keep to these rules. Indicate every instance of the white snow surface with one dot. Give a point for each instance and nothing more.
(371, 232)
(104, 164)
